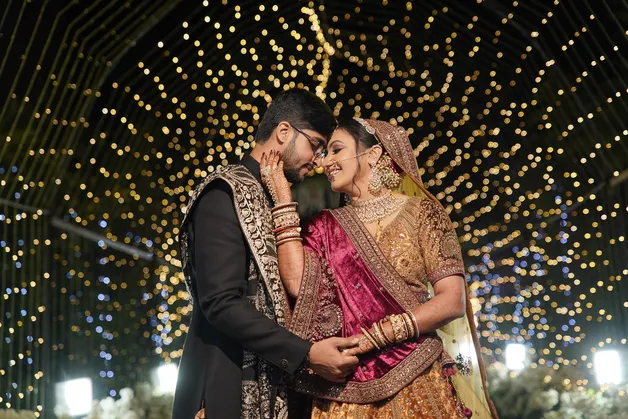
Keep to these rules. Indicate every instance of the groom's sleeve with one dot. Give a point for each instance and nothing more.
(220, 258)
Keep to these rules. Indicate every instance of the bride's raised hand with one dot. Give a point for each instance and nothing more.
(274, 179)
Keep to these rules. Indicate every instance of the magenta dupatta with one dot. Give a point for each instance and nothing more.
(349, 284)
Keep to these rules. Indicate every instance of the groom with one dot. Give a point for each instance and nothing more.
(238, 349)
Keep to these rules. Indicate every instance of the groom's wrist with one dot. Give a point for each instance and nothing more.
(305, 364)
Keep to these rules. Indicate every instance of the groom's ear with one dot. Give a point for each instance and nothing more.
(283, 133)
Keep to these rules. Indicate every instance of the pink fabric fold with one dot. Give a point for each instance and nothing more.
(362, 298)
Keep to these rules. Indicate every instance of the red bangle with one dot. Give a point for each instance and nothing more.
(281, 229)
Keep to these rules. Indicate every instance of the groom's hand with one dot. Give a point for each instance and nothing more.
(328, 360)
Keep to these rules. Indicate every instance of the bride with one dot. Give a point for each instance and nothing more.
(388, 268)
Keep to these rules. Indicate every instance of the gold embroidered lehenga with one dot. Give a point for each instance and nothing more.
(351, 280)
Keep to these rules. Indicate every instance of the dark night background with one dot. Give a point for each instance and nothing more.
(112, 111)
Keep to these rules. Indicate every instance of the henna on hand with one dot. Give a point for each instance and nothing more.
(364, 346)
(273, 177)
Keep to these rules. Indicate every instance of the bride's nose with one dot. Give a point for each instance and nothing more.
(327, 162)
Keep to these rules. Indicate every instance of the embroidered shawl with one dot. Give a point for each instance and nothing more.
(260, 400)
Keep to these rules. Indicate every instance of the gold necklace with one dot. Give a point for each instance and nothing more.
(377, 209)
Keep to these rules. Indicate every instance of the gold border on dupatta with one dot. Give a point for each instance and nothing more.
(305, 308)
(376, 261)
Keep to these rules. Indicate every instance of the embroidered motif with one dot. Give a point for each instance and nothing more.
(428, 397)
(464, 365)
(374, 259)
(305, 309)
(320, 315)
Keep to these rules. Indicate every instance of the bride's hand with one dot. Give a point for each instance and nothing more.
(271, 168)
(364, 346)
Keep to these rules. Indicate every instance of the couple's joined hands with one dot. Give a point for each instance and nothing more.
(335, 359)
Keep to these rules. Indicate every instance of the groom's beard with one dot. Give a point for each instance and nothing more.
(291, 163)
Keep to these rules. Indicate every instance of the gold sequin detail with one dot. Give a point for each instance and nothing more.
(427, 397)
(421, 244)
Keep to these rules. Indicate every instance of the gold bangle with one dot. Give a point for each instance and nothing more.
(378, 335)
(289, 229)
(398, 328)
(283, 210)
(284, 220)
(409, 326)
(417, 331)
(369, 337)
(286, 205)
(381, 326)
(290, 214)
(287, 222)
(288, 234)
(293, 239)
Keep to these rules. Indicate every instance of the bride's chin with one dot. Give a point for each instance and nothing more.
(336, 189)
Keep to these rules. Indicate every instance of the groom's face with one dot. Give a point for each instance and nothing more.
(300, 154)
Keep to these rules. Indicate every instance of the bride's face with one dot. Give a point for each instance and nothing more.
(346, 172)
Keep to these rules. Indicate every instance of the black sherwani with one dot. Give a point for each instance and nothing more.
(223, 321)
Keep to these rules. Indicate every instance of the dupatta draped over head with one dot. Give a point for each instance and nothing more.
(348, 283)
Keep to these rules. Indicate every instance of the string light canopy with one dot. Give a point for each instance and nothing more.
(118, 110)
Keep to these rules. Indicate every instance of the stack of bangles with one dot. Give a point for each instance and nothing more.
(405, 326)
(287, 221)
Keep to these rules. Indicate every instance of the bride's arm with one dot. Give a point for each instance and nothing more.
(289, 253)
(291, 257)
(447, 305)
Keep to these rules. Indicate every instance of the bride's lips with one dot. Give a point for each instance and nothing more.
(331, 174)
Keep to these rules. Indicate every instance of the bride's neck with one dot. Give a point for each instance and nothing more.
(364, 197)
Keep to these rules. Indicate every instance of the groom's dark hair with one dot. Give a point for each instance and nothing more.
(302, 109)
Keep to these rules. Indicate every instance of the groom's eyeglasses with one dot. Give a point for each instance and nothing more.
(318, 147)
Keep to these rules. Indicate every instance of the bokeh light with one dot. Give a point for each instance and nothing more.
(118, 110)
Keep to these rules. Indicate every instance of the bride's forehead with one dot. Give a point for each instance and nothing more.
(340, 136)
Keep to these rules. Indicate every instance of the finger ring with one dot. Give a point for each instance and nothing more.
(266, 171)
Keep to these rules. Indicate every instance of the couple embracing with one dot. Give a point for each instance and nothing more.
(363, 313)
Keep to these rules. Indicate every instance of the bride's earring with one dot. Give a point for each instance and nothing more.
(375, 183)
